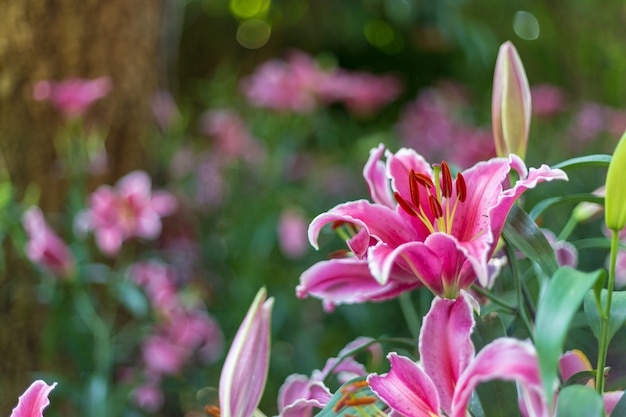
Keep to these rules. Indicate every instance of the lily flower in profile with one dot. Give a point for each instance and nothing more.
(511, 103)
(426, 229)
(44, 247)
(245, 370)
(448, 372)
(34, 400)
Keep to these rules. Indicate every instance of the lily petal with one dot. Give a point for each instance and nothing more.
(298, 395)
(34, 400)
(406, 388)
(445, 345)
(379, 221)
(375, 176)
(245, 369)
(439, 263)
(505, 359)
(346, 281)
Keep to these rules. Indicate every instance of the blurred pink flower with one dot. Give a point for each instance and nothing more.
(164, 109)
(34, 400)
(361, 92)
(149, 395)
(548, 100)
(299, 85)
(44, 247)
(566, 253)
(589, 122)
(292, 233)
(130, 209)
(285, 85)
(196, 331)
(433, 125)
(72, 97)
(162, 355)
(157, 280)
(231, 136)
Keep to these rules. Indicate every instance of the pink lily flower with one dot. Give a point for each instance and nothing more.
(425, 230)
(74, 96)
(449, 372)
(244, 373)
(300, 394)
(33, 401)
(130, 209)
(574, 361)
(45, 247)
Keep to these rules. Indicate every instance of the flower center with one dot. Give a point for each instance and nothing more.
(438, 215)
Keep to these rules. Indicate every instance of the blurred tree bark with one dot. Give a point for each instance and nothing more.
(58, 39)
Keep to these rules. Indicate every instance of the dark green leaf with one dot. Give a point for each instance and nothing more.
(523, 233)
(329, 410)
(599, 160)
(618, 312)
(579, 401)
(580, 378)
(561, 300)
(488, 328)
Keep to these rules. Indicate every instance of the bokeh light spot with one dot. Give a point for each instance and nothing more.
(381, 35)
(253, 33)
(526, 25)
(246, 9)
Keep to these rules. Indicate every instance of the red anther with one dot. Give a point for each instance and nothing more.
(461, 188)
(446, 180)
(355, 386)
(415, 189)
(339, 254)
(424, 179)
(405, 204)
(337, 224)
(435, 207)
(212, 410)
(357, 401)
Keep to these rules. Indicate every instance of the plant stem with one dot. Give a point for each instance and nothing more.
(519, 288)
(413, 320)
(510, 308)
(603, 342)
(568, 228)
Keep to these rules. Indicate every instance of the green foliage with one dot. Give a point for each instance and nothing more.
(562, 298)
(579, 401)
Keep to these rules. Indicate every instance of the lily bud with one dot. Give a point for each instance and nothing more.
(510, 104)
(245, 370)
(615, 199)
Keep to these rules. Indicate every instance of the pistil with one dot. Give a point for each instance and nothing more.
(439, 196)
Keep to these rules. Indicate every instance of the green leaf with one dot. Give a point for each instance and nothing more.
(618, 312)
(580, 378)
(561, 300)
(579, 401)
(544, 205)
(488, 328)
(523, 233)
(599, 160)
(346, 411)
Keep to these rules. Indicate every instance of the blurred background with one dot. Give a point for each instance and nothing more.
(257, 115)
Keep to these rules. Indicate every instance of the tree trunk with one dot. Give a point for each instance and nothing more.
(59, 39)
